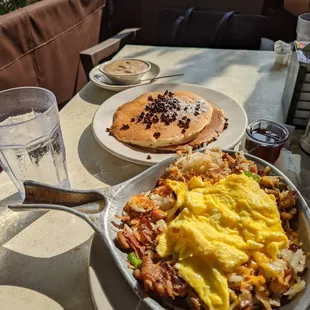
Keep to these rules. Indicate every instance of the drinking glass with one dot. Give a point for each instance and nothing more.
(303, 27)
(31, 143)
(265, 139)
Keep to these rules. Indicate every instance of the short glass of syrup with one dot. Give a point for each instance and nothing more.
(265, 139)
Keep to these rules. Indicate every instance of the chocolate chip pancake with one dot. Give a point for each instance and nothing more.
(207, 135)
(156, 120)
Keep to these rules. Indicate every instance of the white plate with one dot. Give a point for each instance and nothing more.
(237, 121)
(152, 73)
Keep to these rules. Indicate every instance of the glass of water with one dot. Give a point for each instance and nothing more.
(31, 143)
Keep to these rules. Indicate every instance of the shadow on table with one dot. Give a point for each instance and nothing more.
(63, 278)
(262, 94)
(9, 218)
(101, 164)
(214, 65)
(94, 94)
(110, 280)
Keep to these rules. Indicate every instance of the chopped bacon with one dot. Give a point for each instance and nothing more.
(230, 159)
(286, 216)
(134, 243)
(288, 201)
(163, 190)
(147, 231)
(146, 236)
(162, 279)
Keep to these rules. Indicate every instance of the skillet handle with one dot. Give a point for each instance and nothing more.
(88, 205)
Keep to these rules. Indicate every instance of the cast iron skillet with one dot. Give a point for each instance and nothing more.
(99, 207)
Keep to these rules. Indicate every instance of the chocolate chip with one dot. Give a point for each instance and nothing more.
(184, 117)
(180, 124)
(196, 113)
(156, 135)
(183, 130)
(133, 119)
(188, 120)
(155, 119)
(148, 126)
(185, 109)
(148, 157)
(150, 98)
(125, 127)
(164, 106)
(108, 130)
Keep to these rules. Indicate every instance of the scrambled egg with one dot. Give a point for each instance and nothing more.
(218, 229)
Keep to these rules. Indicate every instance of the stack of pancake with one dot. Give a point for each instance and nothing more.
(168, 122)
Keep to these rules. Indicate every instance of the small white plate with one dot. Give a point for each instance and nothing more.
(152, 73)
(237, 121)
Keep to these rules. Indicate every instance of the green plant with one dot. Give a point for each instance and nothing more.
(7, 6)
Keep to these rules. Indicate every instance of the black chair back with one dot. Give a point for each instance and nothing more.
(202, 28)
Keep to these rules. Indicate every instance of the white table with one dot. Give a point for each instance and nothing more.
(43, 258)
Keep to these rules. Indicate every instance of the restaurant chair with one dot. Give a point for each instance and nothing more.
(40, 45)
(91, 57)
(187, 27)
